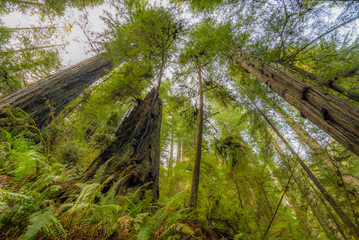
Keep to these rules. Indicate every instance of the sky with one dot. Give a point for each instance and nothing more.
(77, 46)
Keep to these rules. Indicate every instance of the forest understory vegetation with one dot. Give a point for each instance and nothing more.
(193, 119)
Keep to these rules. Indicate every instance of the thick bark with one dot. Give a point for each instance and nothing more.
(198, 149)
(334, 115)
(317, 149)
(329, 83)
(354, 229)
(46, 98)
(134, 156)
(319, 213)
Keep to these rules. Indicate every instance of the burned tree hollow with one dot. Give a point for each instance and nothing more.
(46, 98)
(133, 158)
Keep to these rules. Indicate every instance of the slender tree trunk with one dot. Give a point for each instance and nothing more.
(46, 98)
(28, 28)
(179, 146)
(36, 48)
(329, 83)
(183, 155)
(294, 204)
(317, 149)
(26, 2)
(334, 115)
(170, 160)
(198, 150)
(319, 213)
(354, 229)
(134, 157)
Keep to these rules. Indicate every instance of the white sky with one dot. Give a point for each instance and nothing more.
(77, 47)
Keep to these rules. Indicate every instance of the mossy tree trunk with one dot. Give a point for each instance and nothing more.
(134, 156)
(45, 99)
(198, 148)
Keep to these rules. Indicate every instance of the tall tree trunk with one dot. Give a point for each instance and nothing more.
(330, 82)
(198, 150)
(171, 159)
(319, 213)
(317, 149)
(353, 228)
(179, 146)
(295, 205)
(334, 115)
(46, 98)
(134, 156)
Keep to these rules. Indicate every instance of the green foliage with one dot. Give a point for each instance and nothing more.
(20, 158)
(148, 33)
(43, 193)
(44, 220)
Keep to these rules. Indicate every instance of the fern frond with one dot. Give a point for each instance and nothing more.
(38, 222)
(113, 190)
(84, 199)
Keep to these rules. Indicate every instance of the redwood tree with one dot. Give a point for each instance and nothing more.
(334, 115)
(46, 98)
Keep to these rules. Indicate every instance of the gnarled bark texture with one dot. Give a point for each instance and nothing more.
(46, 98)
(334, 115)
(134, 157)
(330, 82)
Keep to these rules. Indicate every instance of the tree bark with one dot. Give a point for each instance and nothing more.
(334, 115)
(317, 149)
(46, 98)
(318, 212)
(171, 159)
(179, 146)
(295, 205)
(134, 156)
(198, 151)
(329, 83)
(353, 228)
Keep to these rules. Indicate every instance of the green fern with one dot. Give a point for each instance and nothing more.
(84, 198)
(26, 163)
(43, 220)
(21, 157)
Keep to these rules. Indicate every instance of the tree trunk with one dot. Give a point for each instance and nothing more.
(334, 115)
(46, 98)
(318, 212)
(179, 146)
(34, 48)
(354, 229)
(329, 83)
(198, 151)
(317, 149)
(134, 157)
(171, 160)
